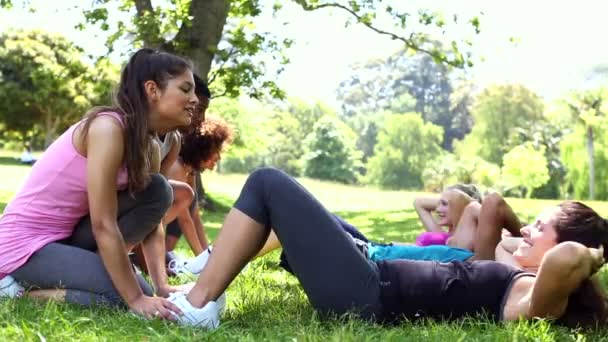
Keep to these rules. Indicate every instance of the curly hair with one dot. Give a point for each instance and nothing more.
(211, 136)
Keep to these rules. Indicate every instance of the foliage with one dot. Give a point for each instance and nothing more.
(367, 128)
(449, 169)
(589, 109)
(330, 152)
(405, 144)
(499, 112)
(290, 123)
(248, 149)
(574, 157)
(375, 13)
(546, 135)
(231, 52)
(525, 166)
(403, 83)
(44, 83)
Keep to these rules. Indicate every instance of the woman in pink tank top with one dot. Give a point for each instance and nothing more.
(95, 193)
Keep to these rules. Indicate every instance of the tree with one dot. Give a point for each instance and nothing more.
(330, 152)
(404, 83)
(498, 113)
(525, 166)
(589, 109)
(449, 169)
(405, 145)
(290, 123)
(222, 39)
(546, 135)
(44, 83)
(573, 155)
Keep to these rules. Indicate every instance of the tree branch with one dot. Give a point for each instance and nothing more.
(232, 52)
(149, 38)
(407, 41)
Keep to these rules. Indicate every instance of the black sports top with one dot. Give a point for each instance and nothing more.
(418, 289)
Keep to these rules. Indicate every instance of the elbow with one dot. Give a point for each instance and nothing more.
(568, 257)
(417, 203)
(101, 227)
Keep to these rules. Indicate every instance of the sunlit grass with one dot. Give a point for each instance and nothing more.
(265, 303)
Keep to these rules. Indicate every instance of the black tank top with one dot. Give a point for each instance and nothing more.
(419, 289)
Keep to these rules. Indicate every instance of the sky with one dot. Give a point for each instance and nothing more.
(556, 42)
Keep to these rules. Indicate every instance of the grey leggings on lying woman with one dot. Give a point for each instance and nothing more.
(73, 264)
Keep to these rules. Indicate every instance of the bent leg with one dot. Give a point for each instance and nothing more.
(495, 215)
(80, 272)
(466, 230)
(138, 215)
(334, 274)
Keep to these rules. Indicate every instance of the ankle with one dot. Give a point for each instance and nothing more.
(198, 299)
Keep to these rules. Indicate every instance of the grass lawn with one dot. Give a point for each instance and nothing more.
(265, 303)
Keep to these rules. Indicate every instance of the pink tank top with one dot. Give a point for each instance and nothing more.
(49, 204)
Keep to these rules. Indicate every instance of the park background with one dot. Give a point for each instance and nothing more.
(368, 102)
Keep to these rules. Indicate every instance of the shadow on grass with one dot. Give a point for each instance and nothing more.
(2, 206)
(4, 160)
(385, 226)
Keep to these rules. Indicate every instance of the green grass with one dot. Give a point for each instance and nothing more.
(265, 303)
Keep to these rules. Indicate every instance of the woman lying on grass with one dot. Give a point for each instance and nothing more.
(564, 246)
(482, 223)
(445, 210)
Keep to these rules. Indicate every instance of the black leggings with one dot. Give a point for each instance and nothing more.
(336, 277)
(74, 265)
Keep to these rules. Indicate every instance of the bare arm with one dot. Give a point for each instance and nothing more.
(505, 249)
(104, 149)
(424, 207)
(562, 270)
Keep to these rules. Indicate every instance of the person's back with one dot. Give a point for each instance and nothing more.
(48, 205)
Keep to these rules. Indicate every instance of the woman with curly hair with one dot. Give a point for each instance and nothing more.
(201, 149)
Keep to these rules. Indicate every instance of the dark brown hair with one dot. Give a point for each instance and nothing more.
(211, 136)
(131, 102)
(587, 306)
(204, 96)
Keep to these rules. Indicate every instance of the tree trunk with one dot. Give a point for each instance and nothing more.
(152, 39)
(199, 39)
(591, 157)
(50, 127)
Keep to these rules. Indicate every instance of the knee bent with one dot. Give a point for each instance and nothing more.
(183, 194)
(494, 199)
(265, 176)
(160, 191)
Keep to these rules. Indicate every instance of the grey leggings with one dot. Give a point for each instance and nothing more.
(74, 265)
(335, 276)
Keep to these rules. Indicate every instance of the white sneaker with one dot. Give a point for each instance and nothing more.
(197, 264)
(177, 266)
(221, 303)
(10, 288)
(207, 317)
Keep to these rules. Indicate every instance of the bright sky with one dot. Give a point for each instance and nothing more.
(558, 41)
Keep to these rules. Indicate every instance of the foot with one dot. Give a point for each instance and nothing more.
(198, 263)
(10, 288)
(207, 317)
